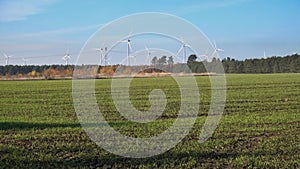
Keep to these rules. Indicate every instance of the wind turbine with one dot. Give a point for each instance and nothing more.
(265, 55)
(67, 57)
(216, 49)
(6, 58)
(103, 54)
(204, 56)
(148, 54)
(183, 49)
(134, 59)
(105, 57)
(128, 50)
(25, 61)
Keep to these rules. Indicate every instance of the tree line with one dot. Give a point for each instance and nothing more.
(275, 64)
(287, 64)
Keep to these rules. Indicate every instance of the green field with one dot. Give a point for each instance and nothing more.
(260, 127)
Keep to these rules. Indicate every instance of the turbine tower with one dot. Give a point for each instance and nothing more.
(67, 57)
(100, 50)
(105, 56)
(128, 51)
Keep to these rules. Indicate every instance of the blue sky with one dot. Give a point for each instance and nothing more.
(42, 30)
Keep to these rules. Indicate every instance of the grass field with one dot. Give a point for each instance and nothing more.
(260, 126)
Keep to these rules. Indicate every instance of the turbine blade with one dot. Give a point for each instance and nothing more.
(97, 49)
(215, 45)
(179, 50)
(4, 54)
(181, 39)
(146, 48)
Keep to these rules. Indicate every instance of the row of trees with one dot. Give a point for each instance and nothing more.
(163, 60)
(268, 65)
(287, 64)
(273, 64)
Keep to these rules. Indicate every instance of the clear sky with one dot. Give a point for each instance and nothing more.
(42, 30)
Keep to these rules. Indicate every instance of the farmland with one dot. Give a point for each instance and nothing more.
(260, 126)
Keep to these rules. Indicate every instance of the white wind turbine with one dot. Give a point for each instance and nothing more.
(25, 61)
(204, 56)
(103, 55)
(216, 49)
(67, 57)
(134, 59)
(6, 58)
(148, 55)
(265, 57)
(128, 50)
(100, 50)
(183, 49)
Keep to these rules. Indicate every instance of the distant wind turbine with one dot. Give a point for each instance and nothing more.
(183, 49)
(100, 50)
(6, 58)
(148, 55)
(204, 56)
(128, 50)
(25, 61)
(265, 55)
(216, 49)
(134, 59)
(103, 55)
(67, 57)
